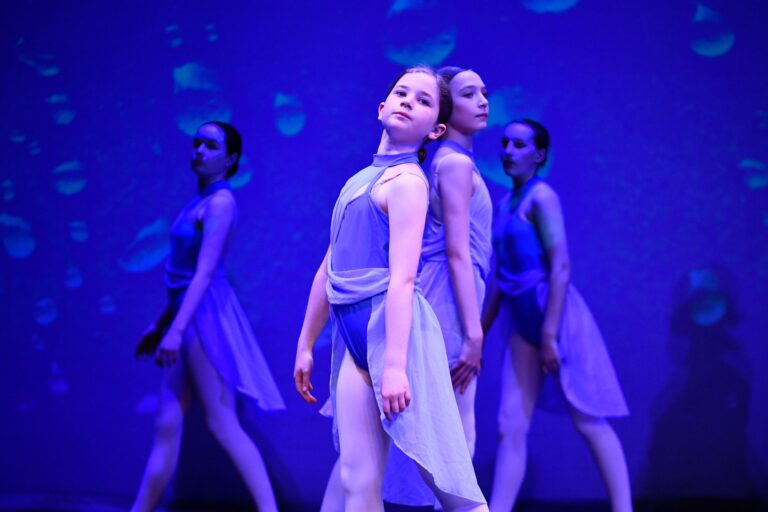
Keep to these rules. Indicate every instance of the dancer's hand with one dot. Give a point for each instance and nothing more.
(149, 341)
(168, 354)
(469, 363)
(395, 391)
(302, 370)
(549, 355)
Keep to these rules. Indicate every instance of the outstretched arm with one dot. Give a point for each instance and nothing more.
(455, 175)
(406, 203)
(218, 218)
(314, 320)
(548, 218)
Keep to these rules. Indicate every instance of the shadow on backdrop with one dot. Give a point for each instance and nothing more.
(699, 445)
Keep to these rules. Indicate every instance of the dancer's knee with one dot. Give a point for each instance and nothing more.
(591, 427)
(222, 425)
(360, 478)
(168, 425)
(513, 426)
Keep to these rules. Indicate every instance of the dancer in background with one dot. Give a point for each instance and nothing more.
(553, 330)
(456, 254)
(203, 339)
(390, 377)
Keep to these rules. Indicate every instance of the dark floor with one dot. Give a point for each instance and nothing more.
(107, 504)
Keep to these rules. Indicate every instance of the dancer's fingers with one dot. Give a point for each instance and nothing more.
(401, 403)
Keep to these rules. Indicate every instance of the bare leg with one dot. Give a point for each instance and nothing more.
(466, 403)
(221, 415)
(363, 442)
(175, 397)
(520, 383)
(333, 499)
(609, 455)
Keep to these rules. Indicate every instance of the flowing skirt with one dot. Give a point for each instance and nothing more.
(227, 339)
(402, 482)
(429, 431)
(587, 376)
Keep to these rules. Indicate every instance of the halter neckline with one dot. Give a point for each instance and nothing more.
(397, 159)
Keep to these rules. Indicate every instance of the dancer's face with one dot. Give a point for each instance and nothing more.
(519, 154)
(470, 103)
(209, 152)
(409, 114)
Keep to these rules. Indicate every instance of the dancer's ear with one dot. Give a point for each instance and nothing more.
(437, 131)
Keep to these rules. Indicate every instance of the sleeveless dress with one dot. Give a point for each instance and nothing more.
(587, 376)
(219, 322)
(429, 430)
(402, 484)
(435, 275)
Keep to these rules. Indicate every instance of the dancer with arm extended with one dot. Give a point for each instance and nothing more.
(553, 330)
(390, 378)
(456, 254)
(202, 339)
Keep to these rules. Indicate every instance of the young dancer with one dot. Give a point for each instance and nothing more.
(553, 330)
(390, 378)
(202, 338)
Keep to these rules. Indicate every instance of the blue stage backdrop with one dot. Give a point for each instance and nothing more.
(659, 118)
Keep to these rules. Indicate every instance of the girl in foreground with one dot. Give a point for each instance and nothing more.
(206, 345)
(390, 378)
(553, 332)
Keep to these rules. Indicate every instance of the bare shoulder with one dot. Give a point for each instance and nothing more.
(221, 204)
(454, 164)
(545, 201)
(543, 194)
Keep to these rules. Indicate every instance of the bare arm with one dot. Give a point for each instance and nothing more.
(548, 218)
(153, 335)
(218, 218)
(406, 204)
(455, 174)
(315, 319)
(492, 301)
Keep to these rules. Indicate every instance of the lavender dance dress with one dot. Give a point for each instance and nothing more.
(219, 322)
(587, 376)
(402, 484)
(435, 274)
(429, 430)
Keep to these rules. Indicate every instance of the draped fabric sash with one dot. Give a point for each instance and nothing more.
(428, 431)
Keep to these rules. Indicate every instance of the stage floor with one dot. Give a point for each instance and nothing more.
(57, 503)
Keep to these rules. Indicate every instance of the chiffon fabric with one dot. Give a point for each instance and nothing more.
(219, 323)
(402, 484)
(586, 375)
(429, 430)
